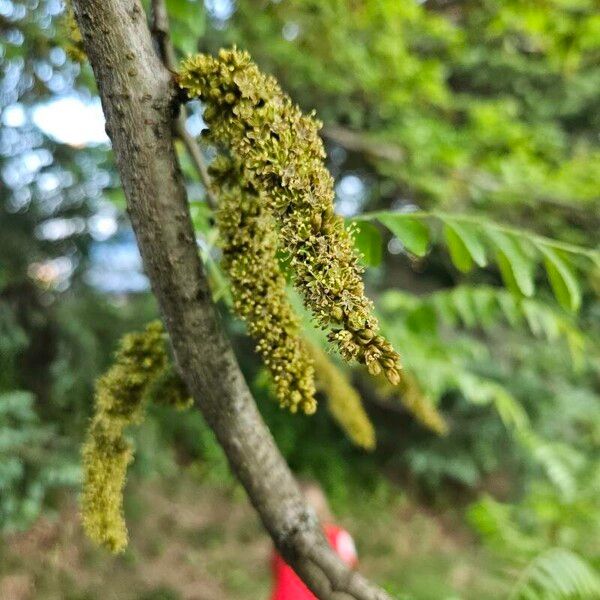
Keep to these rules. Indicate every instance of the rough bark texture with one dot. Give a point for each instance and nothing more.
(140, 101)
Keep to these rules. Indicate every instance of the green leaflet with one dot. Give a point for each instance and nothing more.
(412, 232)
(368, 241)
(557, 574)
(471, 240)
(562, 279)
(464, 245)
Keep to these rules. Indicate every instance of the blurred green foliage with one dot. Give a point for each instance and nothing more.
(489, 104)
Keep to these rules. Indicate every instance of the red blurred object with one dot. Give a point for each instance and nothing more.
(288, 585)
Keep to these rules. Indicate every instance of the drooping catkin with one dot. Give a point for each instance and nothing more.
(106, 456)
(410, 394)
(141, 365)
(281, 157)
(249, 245)
(343, 401)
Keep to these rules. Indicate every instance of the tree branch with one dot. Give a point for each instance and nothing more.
(357, 141)
(162, 35)
(197, 159)
(140, 101)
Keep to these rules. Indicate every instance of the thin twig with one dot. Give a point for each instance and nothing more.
(356, 141)
(196, 155)
(162, 36)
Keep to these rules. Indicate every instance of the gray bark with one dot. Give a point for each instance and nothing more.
(140, 102)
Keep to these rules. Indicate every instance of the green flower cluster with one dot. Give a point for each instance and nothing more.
(249, 243)
(343, 401)
(410, 394)
(141, 369)
(280, 156)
